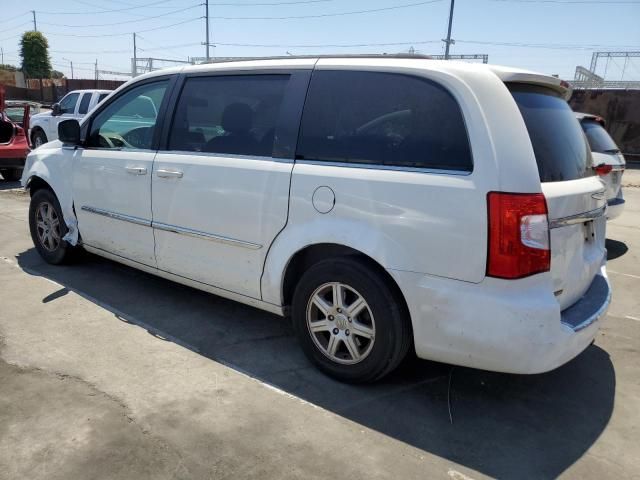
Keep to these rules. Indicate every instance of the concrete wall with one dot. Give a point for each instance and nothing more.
(620, 109)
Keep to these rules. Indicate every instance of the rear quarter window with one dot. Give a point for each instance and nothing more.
(383, 119)
(560, 146)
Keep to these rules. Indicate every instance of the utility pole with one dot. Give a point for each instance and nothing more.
(448, 41)
(35, 25)
(206, 16)
(71, 66)
(2, 51)
(96, 85)
(134, 67)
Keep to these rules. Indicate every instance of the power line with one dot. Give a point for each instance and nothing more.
(17, 16)
(105, 11)
(421, 42)
(125, 33)
(17, 26)
(337, 14)
(111, 24)
(549, 46)
(583, 2)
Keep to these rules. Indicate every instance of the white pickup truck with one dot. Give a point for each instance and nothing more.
(75, 104)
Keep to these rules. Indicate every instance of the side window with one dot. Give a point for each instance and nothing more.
(129, 120)
(383, 119)
(101, 97)
(68, 103)
(84, 103)
(228, 114)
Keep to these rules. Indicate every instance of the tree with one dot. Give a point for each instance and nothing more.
(7, 67)
(34, 50)
(56, 74)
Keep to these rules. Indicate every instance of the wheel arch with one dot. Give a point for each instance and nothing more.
(52, 169)
(35, 183)
(309, 255)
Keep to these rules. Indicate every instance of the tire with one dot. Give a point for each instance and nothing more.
(12, 174)
(383, 320)
(38, 138)
(45, 211)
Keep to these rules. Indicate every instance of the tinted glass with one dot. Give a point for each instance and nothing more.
(102, 96)
(559, 145)
(599, 139)
(68, 103)
(129, 121)
(84, 103)
(228, 114)
(383, 118)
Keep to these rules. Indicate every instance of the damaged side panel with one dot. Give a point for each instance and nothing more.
(54, 165)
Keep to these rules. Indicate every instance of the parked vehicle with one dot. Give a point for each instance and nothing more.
(607, 159)
(75, 104)
(14, 148)
(384, 203)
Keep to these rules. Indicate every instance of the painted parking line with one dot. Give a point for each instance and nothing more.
(623, 274)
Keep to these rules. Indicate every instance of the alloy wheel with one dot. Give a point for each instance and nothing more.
(340, 322)
(48, 226)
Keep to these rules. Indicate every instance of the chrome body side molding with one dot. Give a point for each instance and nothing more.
(117, 216)
(206, 236)
(172, 228)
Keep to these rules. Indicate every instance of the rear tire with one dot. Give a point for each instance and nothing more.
(38, 138)
(47, 228)
(349, 322)
(12, 174)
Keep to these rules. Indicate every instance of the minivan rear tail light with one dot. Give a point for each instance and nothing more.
(518, 235)
(603, 169)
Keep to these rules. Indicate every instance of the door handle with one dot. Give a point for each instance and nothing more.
(169, 173)
(136, 170)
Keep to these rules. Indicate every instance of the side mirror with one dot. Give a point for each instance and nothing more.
(55, 110)
(69, 132)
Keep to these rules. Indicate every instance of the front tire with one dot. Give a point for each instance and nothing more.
(48, 228)
(350, 323)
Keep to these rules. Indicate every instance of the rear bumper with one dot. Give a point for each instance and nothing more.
(505, 326)
(12, 162)
(615, 206)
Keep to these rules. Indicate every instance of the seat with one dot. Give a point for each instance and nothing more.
(237, 121)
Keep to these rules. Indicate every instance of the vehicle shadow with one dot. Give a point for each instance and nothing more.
(6, 185)
(504, 426)
(615, 248)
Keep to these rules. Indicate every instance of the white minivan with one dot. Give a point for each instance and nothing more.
(383, 203)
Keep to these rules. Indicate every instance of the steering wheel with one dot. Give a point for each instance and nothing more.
(109, 140)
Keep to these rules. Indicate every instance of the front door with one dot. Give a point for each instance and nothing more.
(221, 190)
(112, 174)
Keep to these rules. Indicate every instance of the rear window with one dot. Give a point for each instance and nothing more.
(599, 139)
(560, 147)
(383, 119)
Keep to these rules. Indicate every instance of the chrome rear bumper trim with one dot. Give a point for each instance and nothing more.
(579, 218)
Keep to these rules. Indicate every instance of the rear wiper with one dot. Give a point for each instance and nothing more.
(611, 150)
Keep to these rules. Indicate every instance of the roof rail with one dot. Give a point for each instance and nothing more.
(348, 55)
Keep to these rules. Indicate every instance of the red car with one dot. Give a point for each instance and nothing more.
(14, 146)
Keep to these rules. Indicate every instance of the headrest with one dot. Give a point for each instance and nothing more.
(237, 118)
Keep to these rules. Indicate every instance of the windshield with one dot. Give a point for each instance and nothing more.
(558, 142)
(599, 139)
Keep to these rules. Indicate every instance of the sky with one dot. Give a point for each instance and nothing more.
(550, 36)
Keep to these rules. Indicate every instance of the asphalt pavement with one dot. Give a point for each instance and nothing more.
(110, 373)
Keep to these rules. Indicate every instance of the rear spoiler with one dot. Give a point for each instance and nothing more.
(532, 78)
